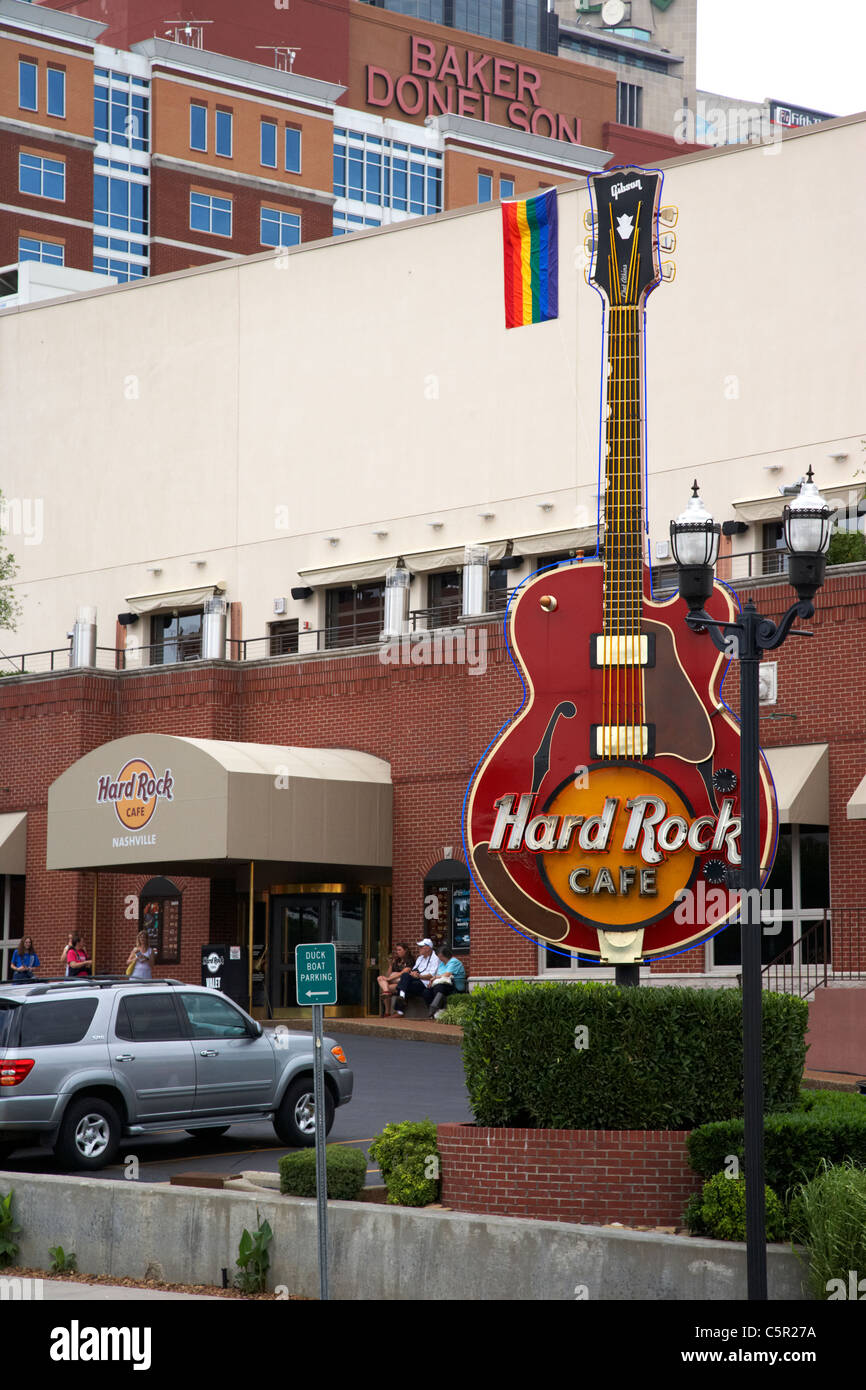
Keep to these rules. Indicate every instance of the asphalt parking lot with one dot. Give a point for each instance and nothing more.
(395, 1079)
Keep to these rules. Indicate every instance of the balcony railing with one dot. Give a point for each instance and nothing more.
(821, 956)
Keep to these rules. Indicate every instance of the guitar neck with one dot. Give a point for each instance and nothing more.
(623, 495)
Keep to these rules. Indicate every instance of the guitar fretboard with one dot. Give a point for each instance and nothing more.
(623, 495)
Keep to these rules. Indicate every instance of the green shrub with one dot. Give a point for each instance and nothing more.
(666, 1058)
(795, 1143)
(835, 1102)
(720, 1211)
(253, 1259)
(62, 1261)
(408, 1160)
(8, 1230)
(346, 1170)
(828, 1216)
(846, 547)
(456, 1009)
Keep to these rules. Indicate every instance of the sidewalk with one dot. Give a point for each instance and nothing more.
(413, 1029)
(63, 1291)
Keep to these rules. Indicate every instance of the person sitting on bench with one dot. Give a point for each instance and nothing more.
(416, 980)
(450, 977)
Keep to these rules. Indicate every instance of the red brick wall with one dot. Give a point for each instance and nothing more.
(78, 203)
(593, 1176)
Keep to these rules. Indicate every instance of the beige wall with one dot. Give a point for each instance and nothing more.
(369, 383)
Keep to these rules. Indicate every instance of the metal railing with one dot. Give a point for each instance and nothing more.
(731, 569)
(56, 659)
(821, 955)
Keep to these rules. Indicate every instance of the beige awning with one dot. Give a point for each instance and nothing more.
(13, 842)
(187, 803)
(857, 803)
(452, 559)
(802, 781)
(769, 508)
(551, 542)
(173, 598)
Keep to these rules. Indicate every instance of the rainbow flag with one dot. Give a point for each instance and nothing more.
(530, 243)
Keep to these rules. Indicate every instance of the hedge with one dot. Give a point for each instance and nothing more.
(794, 1144)
(408, 1160)
(648, 1058)
(346, 1170)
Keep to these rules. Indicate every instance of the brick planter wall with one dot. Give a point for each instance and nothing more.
(594, 1176)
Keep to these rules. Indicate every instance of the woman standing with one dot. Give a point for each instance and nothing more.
(24, 961)
(141, 958)
(400, 960)
(78, 962)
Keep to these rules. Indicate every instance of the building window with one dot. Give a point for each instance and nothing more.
(11, 920)
(446, 906)
(380, 173)
(280, 228)
(56, 101)
(293, 150)
(159, 907)
(283, 637)
(175, 637)
(197, 126)
(498, 592)
(506, 188)
(354, 615)
(774, 551)
(629, 104)
(26, 85)
(44, 178)
(485, 188)
(121, 110)
(224, 134)
(797, 893)
(269, 144)
(210, 214)
(48, 252)
(444, 598)
(121, 204)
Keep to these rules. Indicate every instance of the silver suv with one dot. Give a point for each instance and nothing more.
(84, 1062)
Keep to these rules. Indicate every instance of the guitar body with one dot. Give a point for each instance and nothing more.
(560, 895)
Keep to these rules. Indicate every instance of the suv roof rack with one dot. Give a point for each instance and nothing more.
(94, 981)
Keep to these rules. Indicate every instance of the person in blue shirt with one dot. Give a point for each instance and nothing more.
(450, 978)
(24, 961)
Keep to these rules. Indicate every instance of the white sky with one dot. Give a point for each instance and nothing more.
(806, 52)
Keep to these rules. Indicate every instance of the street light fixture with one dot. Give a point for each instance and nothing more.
(695, 544)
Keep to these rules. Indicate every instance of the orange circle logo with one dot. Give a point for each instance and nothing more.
(135, 791)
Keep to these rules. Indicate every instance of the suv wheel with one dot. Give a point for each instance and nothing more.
(295, 1121)
(89, 1135)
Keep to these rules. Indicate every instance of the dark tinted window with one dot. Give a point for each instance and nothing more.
(148, 1018)
(210, 1017)
(56, 1021)
(7, 1019)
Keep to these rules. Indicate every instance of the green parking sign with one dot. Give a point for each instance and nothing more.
(316, 973)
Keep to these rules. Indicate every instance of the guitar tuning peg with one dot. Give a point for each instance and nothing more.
(669, 216)
(589, 246)
(587, 220)
(668, 241)
(669, 271)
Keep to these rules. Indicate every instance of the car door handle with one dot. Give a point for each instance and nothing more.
(125, 1057)
(208, 1054)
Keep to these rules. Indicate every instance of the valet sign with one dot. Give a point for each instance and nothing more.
(135, 793)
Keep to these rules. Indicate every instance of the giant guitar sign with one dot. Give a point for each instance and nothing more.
(604, 819)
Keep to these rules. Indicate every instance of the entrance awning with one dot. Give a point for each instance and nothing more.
(857, 803)
(190, 804)
(802, 783)
(13, 842)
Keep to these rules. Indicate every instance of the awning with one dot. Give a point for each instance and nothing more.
(802, 783)
(857, 803)
(419, 563)
(551, 542)
(358, 573)
(769, 508)
(13, 842)
(187, 803)
(173, 598)
(452, 559)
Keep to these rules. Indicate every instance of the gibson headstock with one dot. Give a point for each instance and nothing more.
(625, 241)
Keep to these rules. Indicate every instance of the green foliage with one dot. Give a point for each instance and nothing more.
(253, 1259)
(846, 548)
(828, 1216)
(346, 1171)
(61, 1261)
(720, 1211)
(832, 1102)
(795, 1143)
(408, 1160)
(8, 1230)
(456, 1009)
(592, 1056)
(10, 608)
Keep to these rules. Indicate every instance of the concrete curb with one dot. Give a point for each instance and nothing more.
(189, 1235)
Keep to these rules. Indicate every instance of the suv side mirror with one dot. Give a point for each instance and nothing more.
(254, 1028)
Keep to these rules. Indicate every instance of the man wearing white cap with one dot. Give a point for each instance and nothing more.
(416, 980)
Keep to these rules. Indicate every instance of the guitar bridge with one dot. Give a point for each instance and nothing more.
(610, 649)
(623, 740)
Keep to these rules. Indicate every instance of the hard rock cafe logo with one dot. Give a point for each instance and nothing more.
(135, 792)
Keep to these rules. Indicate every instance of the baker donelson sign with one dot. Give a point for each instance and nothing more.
(135, 794)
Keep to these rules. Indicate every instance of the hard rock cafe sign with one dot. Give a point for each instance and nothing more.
(135, 792)
(611, 798)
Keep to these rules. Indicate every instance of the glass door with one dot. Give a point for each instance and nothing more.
(294, 921)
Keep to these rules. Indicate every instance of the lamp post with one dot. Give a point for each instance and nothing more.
(695, 544)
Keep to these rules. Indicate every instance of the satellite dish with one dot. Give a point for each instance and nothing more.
(612, 12)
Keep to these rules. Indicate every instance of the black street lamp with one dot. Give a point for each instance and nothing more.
(695, 544)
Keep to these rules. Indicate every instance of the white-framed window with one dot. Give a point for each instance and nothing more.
(268, 140)
(41, 177)
(378, 179)
(27, 85)
(56, 92)
(629, 104)
(47, 252)
(506, 188)
(485, 188)
(278, 228)
(293, 150)
(224, 135)
(121, 109)
(121, 213)
(197, 126)
(207, 213)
